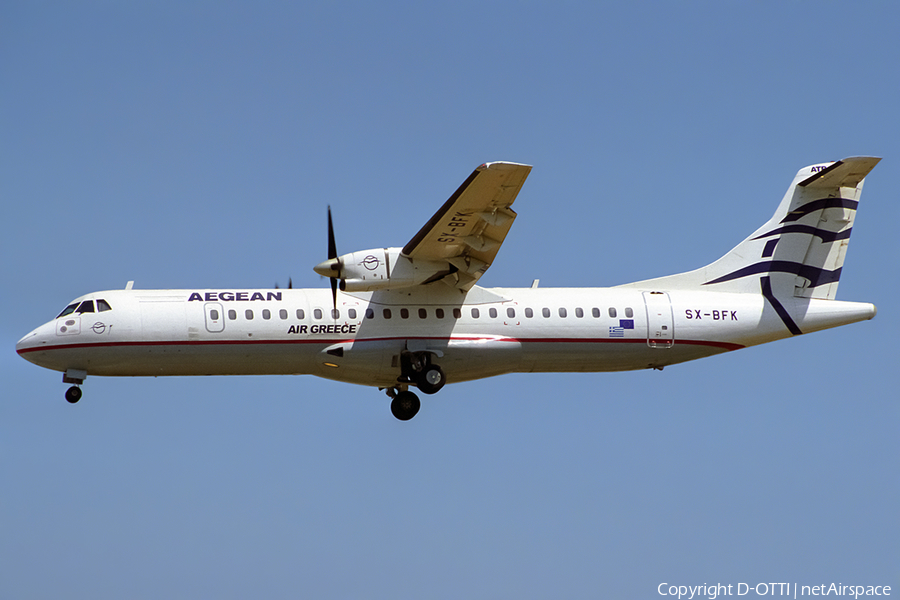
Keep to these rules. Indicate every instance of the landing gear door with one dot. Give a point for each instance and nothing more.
(660, 323)
(215, 317)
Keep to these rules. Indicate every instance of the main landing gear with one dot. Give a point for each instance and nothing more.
(416, 369)
(404, 404)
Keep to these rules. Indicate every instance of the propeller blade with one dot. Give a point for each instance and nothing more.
(332, 247)
(334, 286)
(333, 255)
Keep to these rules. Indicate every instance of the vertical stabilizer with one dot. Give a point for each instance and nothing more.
(800, 251)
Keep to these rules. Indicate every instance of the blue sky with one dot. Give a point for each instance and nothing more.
(195, 145)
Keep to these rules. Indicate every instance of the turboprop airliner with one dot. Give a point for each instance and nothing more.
(414, 317)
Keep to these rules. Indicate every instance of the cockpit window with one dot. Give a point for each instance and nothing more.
(68, 310)
(85, 307)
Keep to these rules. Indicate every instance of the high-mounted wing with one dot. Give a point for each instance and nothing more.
(468, 229)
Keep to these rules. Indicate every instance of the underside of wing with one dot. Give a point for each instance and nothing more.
(469, 228)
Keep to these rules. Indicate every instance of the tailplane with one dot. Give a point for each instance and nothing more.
(800, 251)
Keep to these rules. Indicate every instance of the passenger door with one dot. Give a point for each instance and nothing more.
(660, 323)
(215, 317)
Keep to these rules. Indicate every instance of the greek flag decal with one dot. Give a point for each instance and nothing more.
(619, 332)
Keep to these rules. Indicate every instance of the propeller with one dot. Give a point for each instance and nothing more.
(333, 255)
(332, 267)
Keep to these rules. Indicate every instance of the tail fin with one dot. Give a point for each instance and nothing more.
(800, 251)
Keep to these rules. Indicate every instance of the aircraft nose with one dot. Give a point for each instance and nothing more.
(26, 342)
(30, 342)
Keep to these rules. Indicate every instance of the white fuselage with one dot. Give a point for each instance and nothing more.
(480, 334)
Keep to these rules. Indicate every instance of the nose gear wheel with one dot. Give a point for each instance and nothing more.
(73, 394)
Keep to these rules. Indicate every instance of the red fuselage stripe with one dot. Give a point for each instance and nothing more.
(323, 341)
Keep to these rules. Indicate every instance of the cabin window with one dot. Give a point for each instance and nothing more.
(493, 313)
(612, 312)
(86, 307)
(335, 313)
(232, 315)
(351, 313)
(387, 313)
(267, 314)
(511, 312)
(457, 313)
(529, 313)
(629, 313)
(282, 314)
(475, 313)
(248, 314)
(300, 314)
(68, 310)
(370, 314)
(214, 315)
(562, 312)
(423, 313)
(545, 312)
(103, 306)
(404, 313)
(439, 313)
(595, 312)
(579, 313)
(317, 314)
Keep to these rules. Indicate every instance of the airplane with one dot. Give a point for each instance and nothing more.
(398, 318)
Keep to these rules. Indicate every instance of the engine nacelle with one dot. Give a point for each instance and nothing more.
(382, 269)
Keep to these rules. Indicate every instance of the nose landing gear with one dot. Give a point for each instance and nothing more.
(76, 377)
(73, 394)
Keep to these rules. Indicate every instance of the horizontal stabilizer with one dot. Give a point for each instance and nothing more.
(844, 173)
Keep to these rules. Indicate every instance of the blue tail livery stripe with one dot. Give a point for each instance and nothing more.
(810, 207)
(823, 234)
(779, 308)
(815, 275)
(770, 248)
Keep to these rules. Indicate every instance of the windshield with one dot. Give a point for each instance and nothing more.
(68, 310)
(85, 307)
